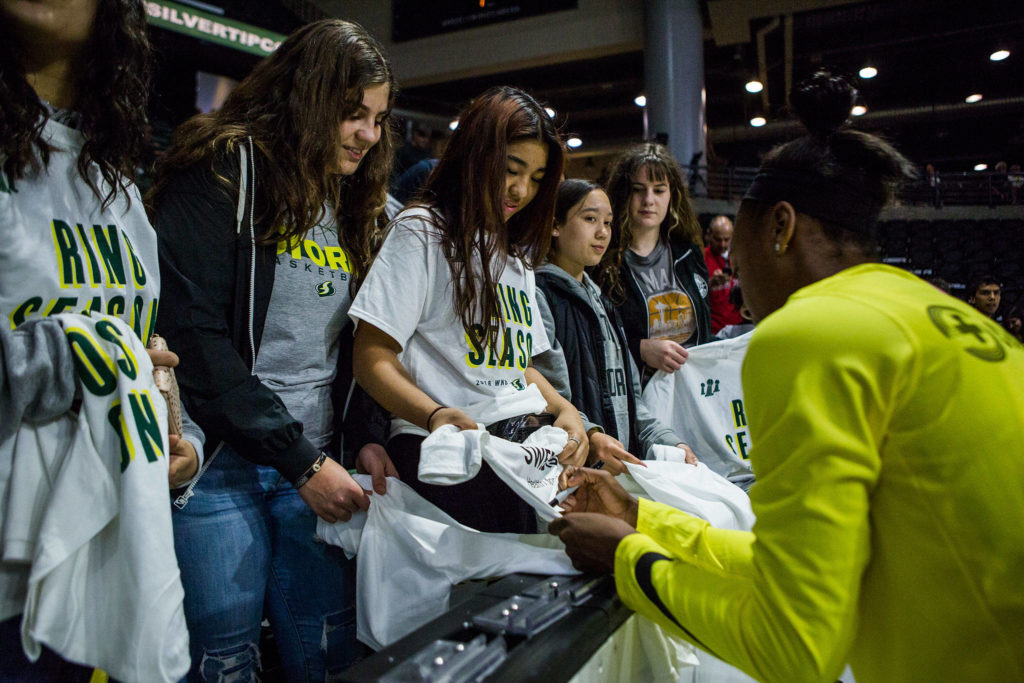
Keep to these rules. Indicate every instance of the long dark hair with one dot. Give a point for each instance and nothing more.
(292, 105)
(112, 92)
(680, 218)
(466, 191)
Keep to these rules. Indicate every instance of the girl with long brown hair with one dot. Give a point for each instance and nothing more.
(447, 316)
(655, 271)
(266, 211)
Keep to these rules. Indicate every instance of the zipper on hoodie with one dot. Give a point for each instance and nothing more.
(246, 172)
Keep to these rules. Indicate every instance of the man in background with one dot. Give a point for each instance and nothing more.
(722, 282)
(985, 294)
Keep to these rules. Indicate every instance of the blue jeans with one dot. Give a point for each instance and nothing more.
(246, 548)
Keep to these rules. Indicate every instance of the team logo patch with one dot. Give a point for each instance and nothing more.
(325, 288)
(976, 340)
(702, 285)
(518, 384)
(709, 388)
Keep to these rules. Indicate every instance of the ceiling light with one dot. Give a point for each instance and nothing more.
(868, 72)
(640, 100)
(999, 55)
(453, 124)
(971, 99)
(758, 121)
(859, 110)
(550, 111)
(574, 142)
(980, 167)
(754, 86)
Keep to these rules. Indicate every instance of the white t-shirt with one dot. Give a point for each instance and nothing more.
(408, 295)
(85, 525)
(703, 403)
(62, 252)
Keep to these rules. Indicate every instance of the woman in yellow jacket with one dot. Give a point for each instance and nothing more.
(889, 423)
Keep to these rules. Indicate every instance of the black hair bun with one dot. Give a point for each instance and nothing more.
(823, 102)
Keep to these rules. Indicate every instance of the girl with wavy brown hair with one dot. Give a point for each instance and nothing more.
(654, 270)
(447, 316)
(266, 212)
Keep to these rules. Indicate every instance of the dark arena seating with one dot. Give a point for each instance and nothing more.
(954, 244)
(957, 250)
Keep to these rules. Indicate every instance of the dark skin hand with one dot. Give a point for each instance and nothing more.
(599, 514)
(591, 539)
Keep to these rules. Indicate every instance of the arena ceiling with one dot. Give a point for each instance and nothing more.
(929, 55)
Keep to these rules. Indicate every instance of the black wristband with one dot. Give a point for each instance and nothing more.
(432, 414)
(313, 469)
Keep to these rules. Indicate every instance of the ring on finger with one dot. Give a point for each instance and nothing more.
(573, 438)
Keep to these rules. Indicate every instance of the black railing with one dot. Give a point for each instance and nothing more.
(977, 188)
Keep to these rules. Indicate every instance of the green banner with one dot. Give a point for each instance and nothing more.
(210, 27)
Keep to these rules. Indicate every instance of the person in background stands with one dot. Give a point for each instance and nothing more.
(415, 150)
(723, 279)
(985, 293)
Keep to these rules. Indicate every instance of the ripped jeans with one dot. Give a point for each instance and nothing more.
(246, 548)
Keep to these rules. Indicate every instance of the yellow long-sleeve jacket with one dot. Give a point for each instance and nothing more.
(888, 420)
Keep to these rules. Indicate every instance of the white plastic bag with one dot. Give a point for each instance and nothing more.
(410, 553)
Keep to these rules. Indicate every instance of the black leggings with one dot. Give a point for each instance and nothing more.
(484, 503)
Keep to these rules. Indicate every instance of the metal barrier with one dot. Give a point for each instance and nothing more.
(977, 188)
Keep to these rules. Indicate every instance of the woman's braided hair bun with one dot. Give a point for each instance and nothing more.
(823, 101)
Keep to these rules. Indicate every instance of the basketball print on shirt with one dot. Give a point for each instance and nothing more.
(670, 315)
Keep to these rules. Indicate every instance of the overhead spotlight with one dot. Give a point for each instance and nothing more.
(453, 124)
(640, 100)
(550, 111)
(574, 142)
(999, 55)
(758, 121)
(859, 110)
(972, 98)
(753, 86)
(980, 167)
(868, 72)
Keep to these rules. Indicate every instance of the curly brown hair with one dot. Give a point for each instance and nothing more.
(680, 219)
(292, 105)
(113, 91)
